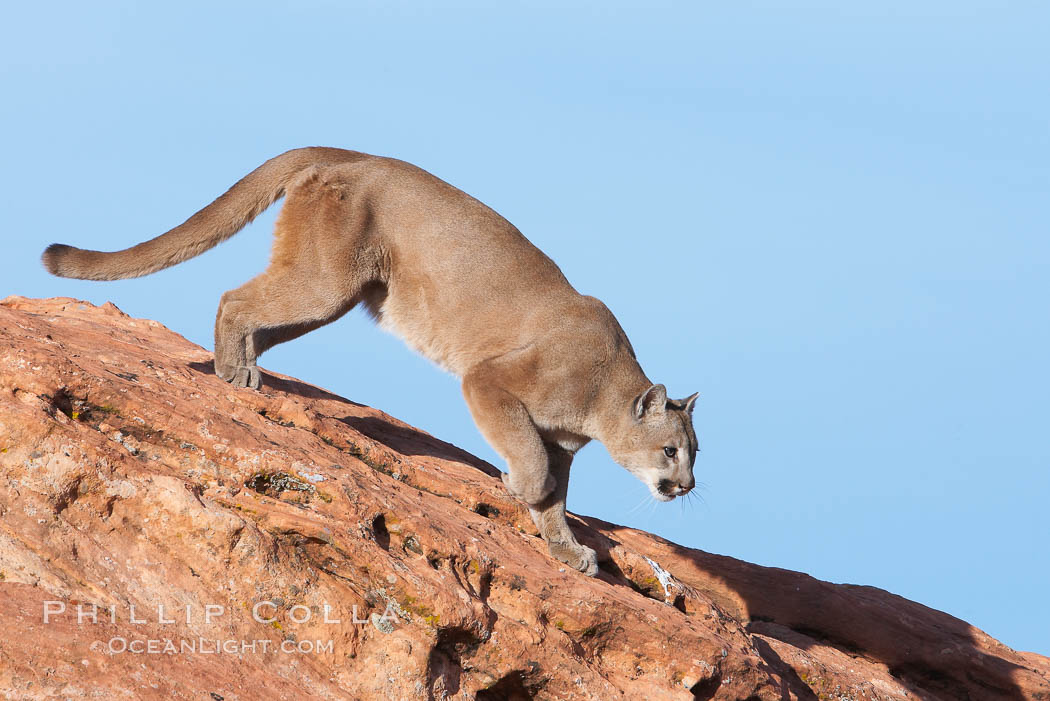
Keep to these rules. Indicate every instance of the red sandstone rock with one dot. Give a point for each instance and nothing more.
(131, 476)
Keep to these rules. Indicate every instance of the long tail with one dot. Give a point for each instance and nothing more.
(228, 214)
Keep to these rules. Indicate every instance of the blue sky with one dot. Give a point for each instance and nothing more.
(831, 220)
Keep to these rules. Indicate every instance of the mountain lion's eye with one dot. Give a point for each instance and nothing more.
(670, 451)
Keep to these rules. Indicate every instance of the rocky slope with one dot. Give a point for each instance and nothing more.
(220, 532)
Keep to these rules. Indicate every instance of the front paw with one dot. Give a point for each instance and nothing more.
(579, 557)
(533, 492)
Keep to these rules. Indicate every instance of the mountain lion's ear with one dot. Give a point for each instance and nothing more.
(652, 399)
(686, 404)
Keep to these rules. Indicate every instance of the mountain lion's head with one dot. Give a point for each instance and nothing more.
(657, 443)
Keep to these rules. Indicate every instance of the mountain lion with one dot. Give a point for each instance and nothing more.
(544, 368)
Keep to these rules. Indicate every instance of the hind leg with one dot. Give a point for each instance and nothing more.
(272, 308)
(231, 357)
(321, 266)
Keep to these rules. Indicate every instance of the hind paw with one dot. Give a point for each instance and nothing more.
(243, 376)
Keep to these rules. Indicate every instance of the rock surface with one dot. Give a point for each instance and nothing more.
(135, 481)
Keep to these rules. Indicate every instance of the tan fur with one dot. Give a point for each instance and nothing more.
(544, 369)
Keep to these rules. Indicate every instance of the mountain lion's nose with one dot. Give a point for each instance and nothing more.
(675, 489)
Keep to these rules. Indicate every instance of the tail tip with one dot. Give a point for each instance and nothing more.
(53, 256)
